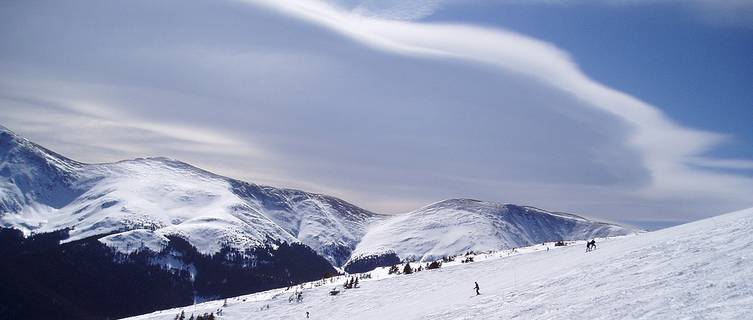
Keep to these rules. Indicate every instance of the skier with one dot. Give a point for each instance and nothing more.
(477, 293)
(593, 244)
(307, 314)
(588, 246)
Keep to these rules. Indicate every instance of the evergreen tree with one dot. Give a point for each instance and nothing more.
(407, 269)
(393, 269)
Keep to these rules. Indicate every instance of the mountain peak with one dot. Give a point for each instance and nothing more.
(7, 136)
(454, 202)
(465, 204)
(34, 175)
(17, 149)
(455, 226)
(4, 129)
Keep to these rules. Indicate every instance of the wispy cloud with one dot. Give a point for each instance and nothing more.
(663, 144)
(383, 112)
(391, 9)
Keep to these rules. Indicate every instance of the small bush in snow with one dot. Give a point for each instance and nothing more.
(434, 265)
(393, 270)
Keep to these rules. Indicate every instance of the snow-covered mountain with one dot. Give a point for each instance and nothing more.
(185, 234)
(137, 204)
(460, 225)
(700, 270)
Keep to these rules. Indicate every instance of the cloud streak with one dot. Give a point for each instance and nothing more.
(390, 114)
(663, 144)
(391, 9)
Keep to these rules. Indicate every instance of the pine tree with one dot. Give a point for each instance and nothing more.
(407, 269)
(393, 269)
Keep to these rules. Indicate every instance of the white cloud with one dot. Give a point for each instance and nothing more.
(391, 9)
(386, 113)
(662, 143)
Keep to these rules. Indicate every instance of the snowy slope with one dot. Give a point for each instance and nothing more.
(31, 174)
(330, 226)
(143, 200)
(460, 225)
(700, 270)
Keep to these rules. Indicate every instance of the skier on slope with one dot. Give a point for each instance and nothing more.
(477, 293)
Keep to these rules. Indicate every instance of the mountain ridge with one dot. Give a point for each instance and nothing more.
(461, 225)
(136, 194)
(150, 198)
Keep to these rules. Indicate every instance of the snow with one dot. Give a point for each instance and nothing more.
(145, 240)
(460, 225)
(700, 270)
(43, 192)
(158, 194)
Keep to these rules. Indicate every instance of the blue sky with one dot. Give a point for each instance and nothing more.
(698, 71)
(624, 110)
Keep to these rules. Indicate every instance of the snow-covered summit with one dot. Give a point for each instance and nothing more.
(31, 174)
(43, 191)
(459, 225)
